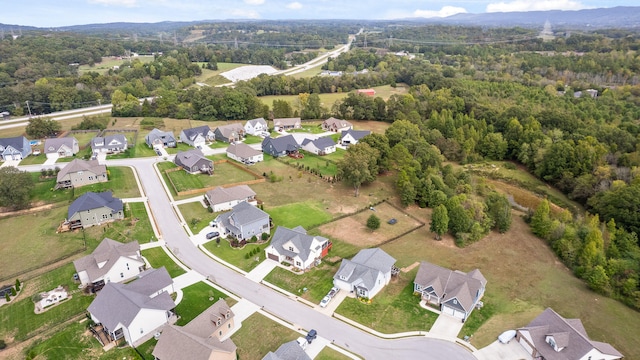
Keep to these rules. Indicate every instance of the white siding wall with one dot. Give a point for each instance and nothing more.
(120, 267)
(148, 321)
(84, 278)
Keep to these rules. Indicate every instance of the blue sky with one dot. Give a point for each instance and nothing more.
(52, 13)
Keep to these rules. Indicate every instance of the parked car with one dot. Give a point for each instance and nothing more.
(159, 153)
(312, 335)
(334, 290)
(325, 301)
(213, 234)
(506, 336)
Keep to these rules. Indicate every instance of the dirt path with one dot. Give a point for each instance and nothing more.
(410, 267)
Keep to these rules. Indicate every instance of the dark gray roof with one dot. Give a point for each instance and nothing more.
(289, 351)
(321, 142)
(17, 142)
(282, 143)
(108, 251)
(156, 134)
(448, 284)
(109, 141)
(356, 134)
(192, 133)
(571, 333)
(190, 157)
(242, 214)
(256, 121)
(91, 200)
(298, 236)
(120, 303)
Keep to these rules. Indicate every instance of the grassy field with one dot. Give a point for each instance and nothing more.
(236, 256)
(306, 214)
(195, 210)
(213, 77)
(196, 299)
(317, 282)
(83, 137)
(136, 226)
(158, 258)
(223, 173)
(270, 333)
(314, 162)
(108, 63)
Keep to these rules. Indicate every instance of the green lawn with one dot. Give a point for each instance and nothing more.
(108, 63)
(197, 216)
(84, 138)
(329, 354)
(250, 139)
(318, 281)
(236, 256)
(394, 309)
(128, 229)
(34, 159)
(213, 77)
(196, 299)
(223, 173)
(309, 128)
(180, 147)
(259, 335)
(158, 258)
(306, 214)
(320, 163)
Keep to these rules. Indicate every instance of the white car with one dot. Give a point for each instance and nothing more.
(506, 336)
(325, 301)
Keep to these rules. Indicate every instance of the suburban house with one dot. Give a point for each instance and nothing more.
(81, 172)
(335, 125)
(288, 351)
(193, 161)
(243, 221)
(110, 144)
(14, 148)
(61, 147)
(367, 273)
(455, 292)
(280, 146)
(244, 153)
(552, 337)
(197, 136)
(287, 124)
(320, 146)
(94, 209)
(111, 261)
(221, 199)
(351, 137)
(134, 311)
(160, 139)
(256, 127)
(229, 133)
(297, 248)
(204, 338)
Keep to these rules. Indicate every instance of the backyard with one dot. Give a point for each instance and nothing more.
(136, 226)
(306, 214)
(270, 333)
(311, 162)
(223, 173)
(196, 299)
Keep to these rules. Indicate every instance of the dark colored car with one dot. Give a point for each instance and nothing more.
(159, 152)
(213, 234)
(312, 335)
(392, 221)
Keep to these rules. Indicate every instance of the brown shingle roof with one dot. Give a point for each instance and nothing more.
(448, 284)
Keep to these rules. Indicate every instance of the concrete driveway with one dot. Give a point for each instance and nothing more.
(446, 325)
(262, 270)
(500, 351)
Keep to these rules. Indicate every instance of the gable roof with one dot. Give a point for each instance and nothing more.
(298, 236)
(118, 140)
(570, 334)
(286, 121)
(91, 200)
(107, 252)
(321, 142)
(190, 157)
(256, 121)
(204, 325)
(448, 284)
(288, 351)
(221, 195)
(120, 303)
(282, 143)
(228, 130)
(337, 123)
(176, 342)
(18, 143)
(374, 258)
(52, 145)
(241, 214)
(193, 133)
(157, 134)
(77, 165)
(364, 268)
(356, 134)
(242, 150)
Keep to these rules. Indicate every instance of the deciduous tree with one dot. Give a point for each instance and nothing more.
(15, 186)
(439, 221)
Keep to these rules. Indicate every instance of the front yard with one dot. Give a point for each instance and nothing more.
(259, 335)
(223, 173)
(158, 258)
(237, 256)
(196, 299)
(196, 215)
(136, 226)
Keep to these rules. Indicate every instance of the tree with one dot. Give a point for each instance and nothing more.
(373, 222)
(359, 166)
(405, 188)
(17, 284)
(15, 186)
(597, 279)
(540, 221)
(281, 109)
(499, 210)
(6, 297)
(439, 221)
(41, 127)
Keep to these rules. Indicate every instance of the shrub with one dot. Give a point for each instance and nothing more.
(6, 297)
(43, 172)
(18, 285)
(13, 291)
(247, 255)
(2, 344)
(265, 236)
(373, 222)
(254, 238)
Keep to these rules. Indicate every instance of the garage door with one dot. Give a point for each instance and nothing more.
(274, 257)
(453, 312)
(526, 346)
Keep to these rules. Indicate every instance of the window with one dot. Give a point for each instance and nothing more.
(219, 322)
(104, 216)
(90, 177)
(220, 333)
(228, 326)
(127, 266)
(290, 248)
(298, 263)
(121, 275)
(455, 301)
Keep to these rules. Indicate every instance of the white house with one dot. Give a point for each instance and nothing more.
(110, 144)
(351, 137)
(320, 146)
(111, 261)
(221, 199)
(256, 127)
(297, 248)
(244, 153)
(136, 310)
(197, 136)
(366, 274)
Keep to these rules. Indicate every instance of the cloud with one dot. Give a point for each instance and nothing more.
(535, 5)
(244, 14)
(127, 3)
(254, 2)
(444, 12)
(294, 6)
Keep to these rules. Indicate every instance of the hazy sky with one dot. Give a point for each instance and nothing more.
(51, 13)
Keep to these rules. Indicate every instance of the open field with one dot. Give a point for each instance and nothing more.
(196, 299)
(271, 335)
(213, 77)
(108, 63)
(313, 162)
(223, 173)
(306, 214)
(158, 258)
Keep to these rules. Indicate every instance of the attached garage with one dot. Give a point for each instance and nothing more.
(526, 345)
(273, 257)
(453, 312)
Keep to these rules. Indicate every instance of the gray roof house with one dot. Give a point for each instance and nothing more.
(158, 138)
(229, 133)
(14, 148)
(204, 338)
(280, 146)
(94, 209)
(320, 146)
(287, 123)
(136, 310)
(61, 147)
(256, 127)
(193, 161)
(335, 125)
(244, 153)
(552, 337)
(366, 274)
(197, 136)
(110, 144)
(243, 221)
(351, 137)
(222, 199)
(111, 261)
(297, 248)
(288, 351)
(457, 293)
(80, 172)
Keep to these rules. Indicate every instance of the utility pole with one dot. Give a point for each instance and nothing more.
(365, 40)
(29, 108)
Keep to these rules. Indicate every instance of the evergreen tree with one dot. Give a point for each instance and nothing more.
(373, 222)
(439, 221)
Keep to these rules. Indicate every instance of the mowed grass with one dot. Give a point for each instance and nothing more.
(83, 137)
(34, 159)
(236, 256)
(259, 335)
(196, 299)
(158, 258)
(213, 77)
(196, 215)
(394, 309)
(223, 173)
(136, 226)
(306, 214)
(317, 281)
(329, 354)
(322, 164)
